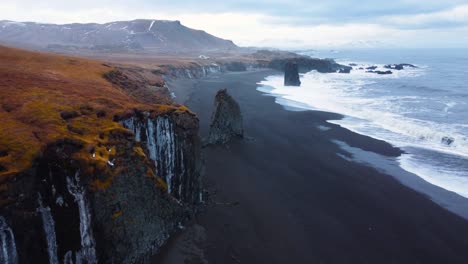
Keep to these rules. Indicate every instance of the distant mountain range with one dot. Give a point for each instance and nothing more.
(142, 34)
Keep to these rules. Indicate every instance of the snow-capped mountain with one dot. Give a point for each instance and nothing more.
(150, 35)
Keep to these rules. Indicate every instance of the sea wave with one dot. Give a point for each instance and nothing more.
(381, 117)
(390, 116)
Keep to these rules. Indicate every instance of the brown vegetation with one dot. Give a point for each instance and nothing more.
(45, 98)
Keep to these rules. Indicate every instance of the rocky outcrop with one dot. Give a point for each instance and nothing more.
(226, 121)
(194, 71)
(174, 147)
(153, 36)
(381, 72)
(235, 66)
(142, 84)
(291, 75)
(118, 204)
(399, 67)
(447, 140)
(306, 64)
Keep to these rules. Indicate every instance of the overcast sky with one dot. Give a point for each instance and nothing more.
(276, 23)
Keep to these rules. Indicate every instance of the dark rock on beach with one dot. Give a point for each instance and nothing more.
(381, 72)
(399, 67)
(306, 64)
(344, 70)
(291, 74)
(226, 121)
(447, 140)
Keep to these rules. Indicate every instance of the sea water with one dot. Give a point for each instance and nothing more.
(422, 110)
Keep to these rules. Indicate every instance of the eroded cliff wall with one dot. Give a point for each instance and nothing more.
(66, 212)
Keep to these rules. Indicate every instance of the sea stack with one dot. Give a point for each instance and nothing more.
(291, 74)
(226, 121)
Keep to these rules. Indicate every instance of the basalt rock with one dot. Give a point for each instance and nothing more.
(447, 140)
(291, 74)
(306, 64)
(381, 72)
(118, 207)
(236, 66)
(399, 67)
(226, 121)
(344, 70)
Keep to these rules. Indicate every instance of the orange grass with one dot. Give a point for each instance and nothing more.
(35, 88)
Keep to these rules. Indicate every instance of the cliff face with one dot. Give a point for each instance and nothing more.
(108, 179)
(307, 64)
(120, 214)
(173, 145)
(192, 71)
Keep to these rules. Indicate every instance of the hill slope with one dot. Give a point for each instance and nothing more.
(36, 89)
(150, 35)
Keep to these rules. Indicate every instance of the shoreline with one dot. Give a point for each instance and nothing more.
(288, 193)
(446, 198)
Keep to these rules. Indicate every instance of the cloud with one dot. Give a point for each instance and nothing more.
(303, 10)
(274, 23)
(454, 17)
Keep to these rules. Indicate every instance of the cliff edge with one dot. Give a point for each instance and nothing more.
(90, 170)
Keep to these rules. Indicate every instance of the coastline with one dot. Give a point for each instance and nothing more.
(289, 193)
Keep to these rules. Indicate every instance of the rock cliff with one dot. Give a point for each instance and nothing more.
(226, 121)
(91, 172)
(67, 212)
(307, 64)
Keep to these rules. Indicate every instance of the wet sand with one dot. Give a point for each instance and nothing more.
(289, 194)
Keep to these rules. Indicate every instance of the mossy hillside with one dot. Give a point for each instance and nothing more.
(45, 98)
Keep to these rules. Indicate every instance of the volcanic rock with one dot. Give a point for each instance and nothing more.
(399, 67)
(226, 121)
(447, 140)
(381, 72)
(291, 74)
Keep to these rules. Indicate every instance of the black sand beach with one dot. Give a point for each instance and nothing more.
(287, 194)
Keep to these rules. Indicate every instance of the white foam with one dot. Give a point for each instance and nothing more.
(381, 117)
(443, 176)
(385, 117)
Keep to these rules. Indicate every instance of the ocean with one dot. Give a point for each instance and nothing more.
(423, 110)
